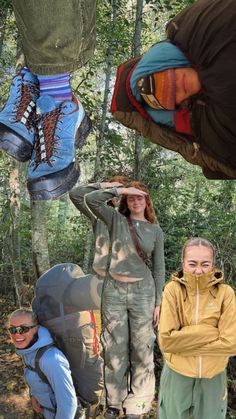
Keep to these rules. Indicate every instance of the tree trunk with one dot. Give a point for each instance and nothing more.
(62, 213)
(89, 246)
(14, 250)
(138, 141)
(40, 252)
(102, 125)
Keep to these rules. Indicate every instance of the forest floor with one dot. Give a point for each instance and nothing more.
(14, 394)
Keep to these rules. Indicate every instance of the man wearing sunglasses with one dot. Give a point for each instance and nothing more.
(53, 395)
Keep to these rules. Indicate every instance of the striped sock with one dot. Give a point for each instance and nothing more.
(57, 86)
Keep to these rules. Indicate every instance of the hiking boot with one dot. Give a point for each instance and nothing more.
(111, 413)
(53, 171)
(17, 118)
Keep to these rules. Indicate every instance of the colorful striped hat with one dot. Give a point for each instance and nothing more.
(158, 89)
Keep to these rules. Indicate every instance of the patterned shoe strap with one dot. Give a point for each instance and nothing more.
(26, 112)
(46, 141)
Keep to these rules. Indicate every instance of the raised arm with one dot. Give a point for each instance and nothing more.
(77, 196)
(97, 203)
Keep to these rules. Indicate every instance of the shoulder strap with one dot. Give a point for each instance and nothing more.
(135, 239)
(37, 368)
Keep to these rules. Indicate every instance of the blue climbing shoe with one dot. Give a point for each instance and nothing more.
(17, 118)
(53, 170)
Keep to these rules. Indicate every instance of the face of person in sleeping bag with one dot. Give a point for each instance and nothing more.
(187, 84)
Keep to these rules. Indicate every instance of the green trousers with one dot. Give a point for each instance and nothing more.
(57, 35)
(128, 340)
(182, 397)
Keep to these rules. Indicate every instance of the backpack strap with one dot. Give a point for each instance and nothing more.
(143, 255)
(37, 368)
(95, 339)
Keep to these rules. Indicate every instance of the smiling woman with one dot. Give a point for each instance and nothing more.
(52, 393)
(23, 328)
(197, 334)
(131, 297)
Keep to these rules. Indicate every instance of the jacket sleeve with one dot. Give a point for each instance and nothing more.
(225, 344)
(158, 265)
(176, 339)
(97, 203)
(77, 196)
(56, 368)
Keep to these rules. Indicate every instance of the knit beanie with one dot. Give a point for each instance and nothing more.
(158, 89)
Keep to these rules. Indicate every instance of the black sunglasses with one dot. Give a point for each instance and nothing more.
(20, 329)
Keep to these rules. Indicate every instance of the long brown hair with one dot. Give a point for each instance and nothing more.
(149, 210)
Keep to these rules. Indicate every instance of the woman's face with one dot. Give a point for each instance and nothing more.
(186, 84)
(23, 340)
(198, 260)
(136, 205)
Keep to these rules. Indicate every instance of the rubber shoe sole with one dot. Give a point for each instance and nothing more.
(83, 132)
(15, 145)
(54, 185)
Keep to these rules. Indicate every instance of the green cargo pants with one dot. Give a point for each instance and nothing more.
(182, 397)
(57, 35)
(128, 340)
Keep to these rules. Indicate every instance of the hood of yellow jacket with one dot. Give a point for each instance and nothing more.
(201, 282)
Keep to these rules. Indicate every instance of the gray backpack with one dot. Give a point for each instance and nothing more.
(73, 331)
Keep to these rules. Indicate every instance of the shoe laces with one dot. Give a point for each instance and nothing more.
(47, 142)
(26, 109)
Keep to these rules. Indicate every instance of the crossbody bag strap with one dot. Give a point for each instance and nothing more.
(135, 239)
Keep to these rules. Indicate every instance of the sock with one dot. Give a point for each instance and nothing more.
(57, 86)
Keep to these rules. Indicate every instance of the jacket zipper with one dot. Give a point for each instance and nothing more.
(196, 322)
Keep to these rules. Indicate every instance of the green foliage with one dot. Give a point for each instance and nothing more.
(186, 203)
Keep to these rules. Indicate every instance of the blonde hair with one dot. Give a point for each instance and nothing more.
(198, 241)
(149, 210)
(24, 312)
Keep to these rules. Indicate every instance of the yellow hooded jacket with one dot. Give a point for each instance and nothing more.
(197, 330)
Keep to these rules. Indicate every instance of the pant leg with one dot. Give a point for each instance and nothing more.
(175, 395)
(57, 36)
(115, 341)
(210, 397)
(142, 378)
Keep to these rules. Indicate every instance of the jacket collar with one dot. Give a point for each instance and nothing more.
(199, 282)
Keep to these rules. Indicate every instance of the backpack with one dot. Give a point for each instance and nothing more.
(73, 331)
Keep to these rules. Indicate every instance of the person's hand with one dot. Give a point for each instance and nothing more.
(35, 405)
(156, 315)
(107, 185)
(131, 191)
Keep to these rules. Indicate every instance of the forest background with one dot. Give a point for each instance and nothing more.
(34, 236)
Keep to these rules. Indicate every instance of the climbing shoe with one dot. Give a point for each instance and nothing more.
(53, 170)
(17, 118)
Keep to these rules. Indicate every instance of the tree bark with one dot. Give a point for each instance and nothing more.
(40, 251)
(136, 47)
(102, 125)
(14, 250)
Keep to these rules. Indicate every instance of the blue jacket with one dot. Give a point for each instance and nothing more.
(60, 394)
